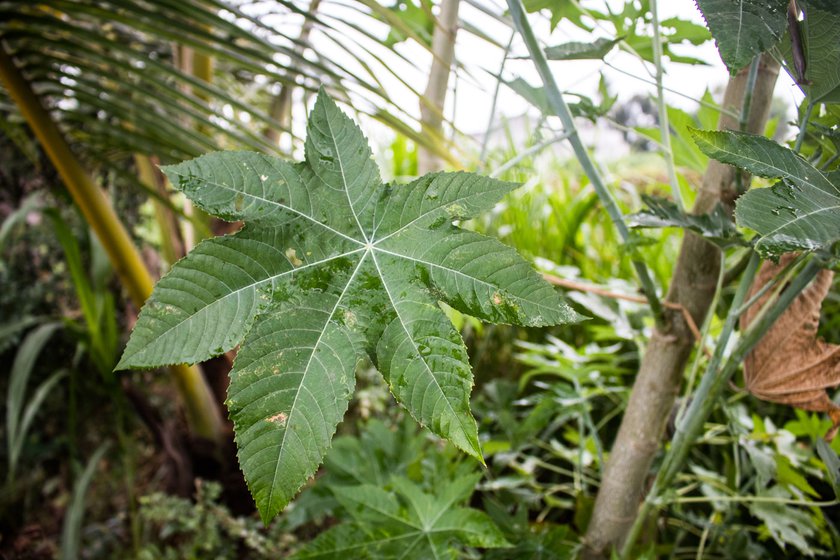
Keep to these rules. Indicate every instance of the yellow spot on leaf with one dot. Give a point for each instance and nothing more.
(291, 254)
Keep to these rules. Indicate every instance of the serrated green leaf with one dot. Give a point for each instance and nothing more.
(787, 525)
(339, 543)
(744, 28)
(333, 264)
(715, 226)
(573, 50)
(205, 304)
(832, 464)
(801, 212)
(284, 423)
(406, 523)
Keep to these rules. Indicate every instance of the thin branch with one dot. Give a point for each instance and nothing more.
(803, 126)
(485, 142)
(529, 152)
(577, 286)
(700, 102)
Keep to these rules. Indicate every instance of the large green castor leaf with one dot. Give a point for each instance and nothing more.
(331, 266)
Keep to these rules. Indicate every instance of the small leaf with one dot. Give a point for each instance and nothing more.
(559, 11)
(832, 464)
(597, 49)
(426, 527)
(802, 212)
(786, 524)
(536, 96)
(716, 226)
(331, 265)
(744, 28)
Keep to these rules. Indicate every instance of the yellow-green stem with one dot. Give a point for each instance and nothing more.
(170, 235)
(202, 411)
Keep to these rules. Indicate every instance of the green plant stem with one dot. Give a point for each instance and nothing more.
(486, 141)
(661, 370)
(830, 161)
(202, 411)
(560, 108)
(754, 499)
(803, 127)
(743, 121)
(701, 344)
(527, 153)
(664, 127)
(748, 94)
(780, 278)
(713, 382)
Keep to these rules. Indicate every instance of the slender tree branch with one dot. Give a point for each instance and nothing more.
(536, 148)
(700, 102)
(432, 102)
(577, 286)
(486, 141)
(803, 127)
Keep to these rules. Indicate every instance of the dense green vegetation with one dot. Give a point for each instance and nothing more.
(385, 369)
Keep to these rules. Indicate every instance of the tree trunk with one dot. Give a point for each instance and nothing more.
(661, 371)
(432, 102)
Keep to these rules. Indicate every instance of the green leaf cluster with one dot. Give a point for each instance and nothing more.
(333, 266)
(801, 212)
(716, 226)
(405, 522)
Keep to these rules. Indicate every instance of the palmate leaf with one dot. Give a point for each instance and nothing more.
(424, 527)
(333, 265)
(799, 213)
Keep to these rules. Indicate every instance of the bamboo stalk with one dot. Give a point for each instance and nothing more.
(170, 243)
(202, 411)
(281, 105)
